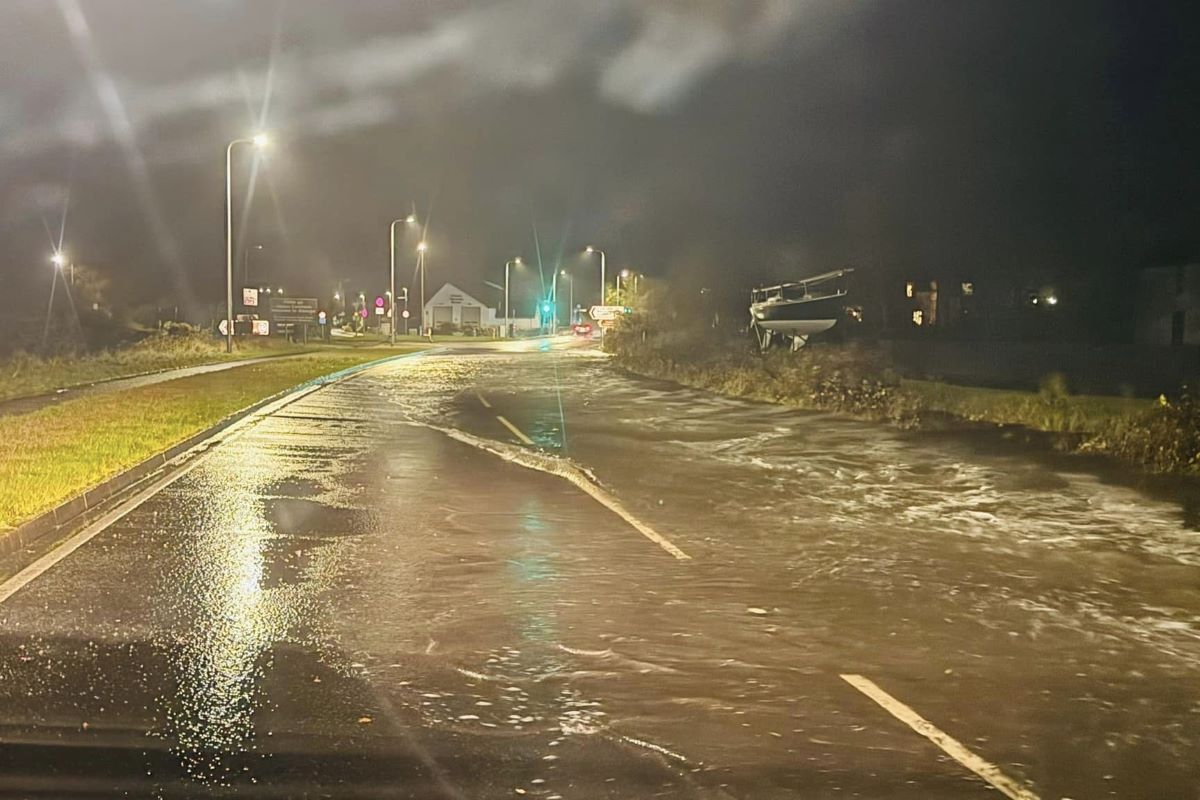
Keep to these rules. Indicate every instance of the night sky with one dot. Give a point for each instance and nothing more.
(724, 143)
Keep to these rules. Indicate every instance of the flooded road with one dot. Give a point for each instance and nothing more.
(398, 586)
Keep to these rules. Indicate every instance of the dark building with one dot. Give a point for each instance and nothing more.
(1168, 305)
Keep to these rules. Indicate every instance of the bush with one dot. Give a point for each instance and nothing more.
(851, 379)
(1163, 439)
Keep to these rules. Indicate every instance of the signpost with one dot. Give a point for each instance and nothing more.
(249, 297)
(294, 309)
(608, 313)
(260, 327)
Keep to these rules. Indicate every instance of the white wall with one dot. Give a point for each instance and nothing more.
(456, 299)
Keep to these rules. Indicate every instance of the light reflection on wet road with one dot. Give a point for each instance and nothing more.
(345, 597)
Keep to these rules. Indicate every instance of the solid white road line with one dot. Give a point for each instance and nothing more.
(191, 459)
(516, 431)
(951, 746)
(483, 400)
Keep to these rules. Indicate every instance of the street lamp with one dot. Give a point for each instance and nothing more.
(507, 264)
(411, 219)
(571, 294)
(60, 260)
(421, 248)
(258, 140)
(589, 250)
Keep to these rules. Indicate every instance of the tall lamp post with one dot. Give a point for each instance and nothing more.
(571, 295)
(409, 220)
(258, 140)
(507, 320)
(421, 248)
(589, 250)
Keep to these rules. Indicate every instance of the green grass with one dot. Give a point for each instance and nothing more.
(58, 452)
(25, 375)
(1045, 411)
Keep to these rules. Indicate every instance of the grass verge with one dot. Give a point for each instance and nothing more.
(1158, 435)
(26, 375)
(1049, 410)
(58, 452)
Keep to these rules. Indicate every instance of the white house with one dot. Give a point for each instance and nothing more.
(452, 305)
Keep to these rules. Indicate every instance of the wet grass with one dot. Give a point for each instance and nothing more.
(55, 453)
(1158, 435)
(1051, 411)
(26, 375)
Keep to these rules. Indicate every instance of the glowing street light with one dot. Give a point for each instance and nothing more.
(570, 294)
(589, 250)
(508, 264)
(411, 219)
(258, 140)
(421, 248)
(60, 260)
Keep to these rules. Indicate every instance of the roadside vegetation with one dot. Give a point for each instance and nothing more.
(1160, 435)
(25, 374)
(60, 451)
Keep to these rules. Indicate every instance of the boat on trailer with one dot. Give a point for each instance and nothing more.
(792, 312)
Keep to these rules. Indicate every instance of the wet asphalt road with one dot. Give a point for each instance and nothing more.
(382, 590)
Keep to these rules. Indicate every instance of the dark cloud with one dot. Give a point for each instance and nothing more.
(731, 141)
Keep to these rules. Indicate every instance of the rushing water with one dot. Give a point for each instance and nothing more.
(349, 570)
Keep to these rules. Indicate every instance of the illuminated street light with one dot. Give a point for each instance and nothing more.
(60, 260)
(421, 248)
(258, 140)
(411, 219)
(508, 264)
(571, 295)
(589, 250)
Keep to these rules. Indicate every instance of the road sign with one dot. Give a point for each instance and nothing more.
(223, 327)
(601, 313)
(294, 309)
(379, 302)
(249, 296)
(260, 327)
(378, 311)
(405, 313)
(320, 317)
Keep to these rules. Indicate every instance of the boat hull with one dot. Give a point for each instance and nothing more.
(801, 317)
